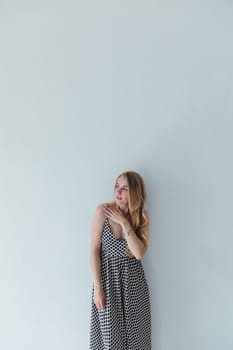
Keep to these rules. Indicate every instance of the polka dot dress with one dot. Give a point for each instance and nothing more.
(125, 324)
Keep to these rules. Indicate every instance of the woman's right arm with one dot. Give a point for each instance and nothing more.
(96, 234)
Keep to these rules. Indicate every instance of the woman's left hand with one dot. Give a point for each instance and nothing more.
(115, 214)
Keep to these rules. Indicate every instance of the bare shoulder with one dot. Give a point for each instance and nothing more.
(109, 204)
(99, 214)
(100, 207)
(99, 211)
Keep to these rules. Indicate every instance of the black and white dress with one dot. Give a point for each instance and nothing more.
(125, 324)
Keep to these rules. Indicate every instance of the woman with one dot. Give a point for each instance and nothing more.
(120, 315)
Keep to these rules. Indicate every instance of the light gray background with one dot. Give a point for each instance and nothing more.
(89, 89)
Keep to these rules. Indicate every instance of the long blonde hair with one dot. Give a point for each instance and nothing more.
(137, 200)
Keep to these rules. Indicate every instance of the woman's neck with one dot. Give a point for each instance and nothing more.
(124, 209)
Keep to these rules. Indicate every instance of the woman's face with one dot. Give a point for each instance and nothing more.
(121, 192)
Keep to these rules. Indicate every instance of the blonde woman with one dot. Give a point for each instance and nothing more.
(120, 315)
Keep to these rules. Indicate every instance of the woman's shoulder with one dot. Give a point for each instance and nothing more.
(100, 207)
(99, 210)
(99, 215)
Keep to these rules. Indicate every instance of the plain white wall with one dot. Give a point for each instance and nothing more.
(89, 89)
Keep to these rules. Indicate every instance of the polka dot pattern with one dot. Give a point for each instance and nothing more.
(125, 324)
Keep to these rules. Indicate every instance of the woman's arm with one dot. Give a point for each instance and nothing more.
(96, 234)
(136, 245)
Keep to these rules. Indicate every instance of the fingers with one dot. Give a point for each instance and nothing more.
(108, 213)
(111, 210)
(108, 210)
(100, 306)
(111, 213)
(99, 301)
